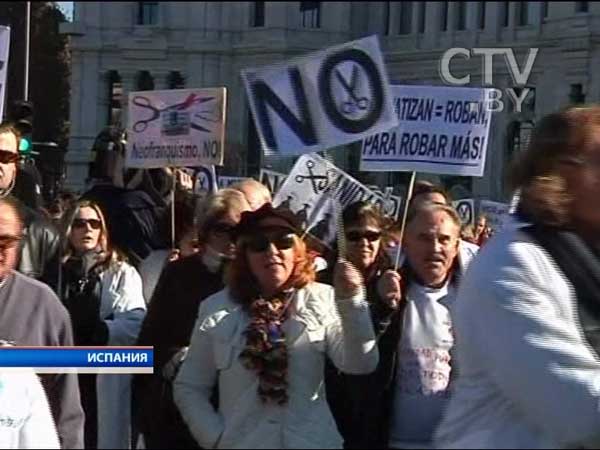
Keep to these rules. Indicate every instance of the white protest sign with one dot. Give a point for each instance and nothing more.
(317, 191)
(272, 180)
(466, 210)
(442, 130)
(4, 48)
(176, 128)
(496, 213)
(225, 182)
(392, 203)
(325, 99)
(204, 178)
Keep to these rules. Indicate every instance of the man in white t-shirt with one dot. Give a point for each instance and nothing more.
(422, 377)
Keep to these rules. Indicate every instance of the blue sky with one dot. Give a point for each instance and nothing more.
(67, 9)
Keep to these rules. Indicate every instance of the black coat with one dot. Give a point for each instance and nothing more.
(168, 326)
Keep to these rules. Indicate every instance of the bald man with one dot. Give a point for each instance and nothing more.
(32, 315)
(256, 193)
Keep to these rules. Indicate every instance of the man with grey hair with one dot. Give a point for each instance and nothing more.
(256, 193)
(32, 315)
(403, 408)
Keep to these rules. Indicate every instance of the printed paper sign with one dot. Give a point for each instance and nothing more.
(4, 48)
(325, 99)
(496, 213)
(272, 180)
(466, 210)
(225, 182)
(317, 191)
(205, 179)
(176, 128)
(442, 130)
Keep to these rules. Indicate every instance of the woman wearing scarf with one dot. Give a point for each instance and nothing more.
(168, 326)
(103, 295)
(264, 339)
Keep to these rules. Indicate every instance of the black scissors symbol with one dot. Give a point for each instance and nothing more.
(319, 182)
(144, 102)
(354, 103)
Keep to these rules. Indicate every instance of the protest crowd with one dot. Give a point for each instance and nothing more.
(274, 328)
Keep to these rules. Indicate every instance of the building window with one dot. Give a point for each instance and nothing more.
(386, 18)
(576, 96)
(310, 13)
(405, 18)
(145, 82)
(461, 16)
(258, 14)
(422, 14)
(504, 13)
(175, 80)
(115, 96)
(581, 7)
(147, 13)
(481, 15)
(444, 16)
(523, 11)
(545, 10)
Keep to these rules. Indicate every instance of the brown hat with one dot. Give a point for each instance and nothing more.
(267, 217)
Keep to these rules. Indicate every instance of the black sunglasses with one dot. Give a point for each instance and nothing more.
(8, 157)
(261, 243)
(223, 229)
(371, 236)
(82, 223)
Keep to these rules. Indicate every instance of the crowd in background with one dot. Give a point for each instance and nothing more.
(438, 334)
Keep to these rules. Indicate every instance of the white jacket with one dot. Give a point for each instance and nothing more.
(122, 297)
(313, 331)
(25, 418)
(527, 376)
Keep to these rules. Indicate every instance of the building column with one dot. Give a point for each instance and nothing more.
(432, 24)
(128, 80)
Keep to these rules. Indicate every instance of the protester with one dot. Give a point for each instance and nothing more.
(168, 326)
(134, 202)
(355, 404)
(39, 249)
(25, 413)
(186, 244)
(263, 341)
(527, 321)
(257, 194)
(482, 231)
(32, 315)
(103, 295)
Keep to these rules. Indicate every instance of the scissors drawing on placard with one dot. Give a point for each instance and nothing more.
(319, 182)
(354, 103)
(144, 102)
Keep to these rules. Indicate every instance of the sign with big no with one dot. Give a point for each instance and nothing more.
(466, 210)
(272, 180)
(325, 99)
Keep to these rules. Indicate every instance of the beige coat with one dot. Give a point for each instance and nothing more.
(314, 330)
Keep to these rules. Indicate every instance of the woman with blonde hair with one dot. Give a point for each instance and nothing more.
(182, 287)
(103, 294)
(262, 342)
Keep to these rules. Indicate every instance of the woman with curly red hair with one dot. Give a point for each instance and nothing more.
(264, 339)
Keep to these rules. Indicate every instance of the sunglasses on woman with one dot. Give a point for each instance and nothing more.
(7, 157)
(83, 223)
(356, 236)
(262, 242)
(224, 229)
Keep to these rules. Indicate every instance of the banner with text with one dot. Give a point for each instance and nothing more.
(176, 128)
(317, 191)
(4, 51)
(497, 213)
(224, 181)
(442, 130)
(325, 99)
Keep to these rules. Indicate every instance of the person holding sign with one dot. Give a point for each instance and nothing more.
(264, 339)
(527, 317)
(356, 406)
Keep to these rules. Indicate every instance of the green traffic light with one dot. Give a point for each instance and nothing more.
(25, 145)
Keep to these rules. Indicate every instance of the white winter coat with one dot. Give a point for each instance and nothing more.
(527, 377)
(25, 418)
(121, 296)
(313, 331)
